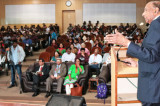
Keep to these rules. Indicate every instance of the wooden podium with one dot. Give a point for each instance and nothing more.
(120, 70)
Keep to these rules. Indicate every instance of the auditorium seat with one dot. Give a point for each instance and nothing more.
(46, 56)
(88, 45)
(93, 49)
(106, 50)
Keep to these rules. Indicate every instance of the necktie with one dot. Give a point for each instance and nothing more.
(41, 70)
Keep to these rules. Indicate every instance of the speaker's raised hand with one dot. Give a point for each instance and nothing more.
(117, 38)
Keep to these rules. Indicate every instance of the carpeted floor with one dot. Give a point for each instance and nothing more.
(12, 97)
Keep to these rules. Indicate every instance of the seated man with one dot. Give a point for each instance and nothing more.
(2, 60)
(28, 45)
(107, 65)
(57, 73)
(94, 62)
(41, 73)
(68, 56)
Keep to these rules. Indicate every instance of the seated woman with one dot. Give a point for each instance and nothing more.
(73, 73)
(54, 44)
(86, 50)
(61, 49)
(73, 49)
(97, 44)
(57, 55)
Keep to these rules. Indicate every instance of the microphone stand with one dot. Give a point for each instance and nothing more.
(118, 56)
(118, 59)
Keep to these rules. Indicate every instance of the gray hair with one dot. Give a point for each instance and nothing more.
(156, 4)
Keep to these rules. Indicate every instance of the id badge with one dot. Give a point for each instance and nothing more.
(55, 74)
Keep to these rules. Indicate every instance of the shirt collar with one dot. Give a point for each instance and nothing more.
(41, 66)
(58, 65)
(156, 17)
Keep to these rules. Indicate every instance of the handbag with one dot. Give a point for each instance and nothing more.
(77, 91)
(29, 76)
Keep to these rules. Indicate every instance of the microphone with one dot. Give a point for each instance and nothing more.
(118, 59)
(141, 24)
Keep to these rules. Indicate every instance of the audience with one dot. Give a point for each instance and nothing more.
(57, 73)
(73, 73)
(37, 37)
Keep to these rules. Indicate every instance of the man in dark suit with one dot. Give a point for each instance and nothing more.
(41, 73)
(57, 73)
(148, 55)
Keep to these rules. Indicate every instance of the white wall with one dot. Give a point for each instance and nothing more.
(110, 12)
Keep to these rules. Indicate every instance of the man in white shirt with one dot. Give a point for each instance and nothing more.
(15, 56)
(94, 62)
(106, 65)
(68, 56)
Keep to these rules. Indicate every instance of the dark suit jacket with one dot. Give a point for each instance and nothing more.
(63, 70)
(148, 64)
(45, 70)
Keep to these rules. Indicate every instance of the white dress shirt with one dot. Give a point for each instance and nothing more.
(106, 58)
(93, 58)
(68, 57)
(40, 70)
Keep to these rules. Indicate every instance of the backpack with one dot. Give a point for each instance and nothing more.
(102, 91)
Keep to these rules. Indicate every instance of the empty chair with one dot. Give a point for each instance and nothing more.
(50, 49)
(88, 45)
(46, 56)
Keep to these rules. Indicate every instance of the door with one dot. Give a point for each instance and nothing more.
(68, 18)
